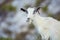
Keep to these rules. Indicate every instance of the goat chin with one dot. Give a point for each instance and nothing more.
(47, 27)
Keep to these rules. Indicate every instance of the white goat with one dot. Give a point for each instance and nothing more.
(46, 26)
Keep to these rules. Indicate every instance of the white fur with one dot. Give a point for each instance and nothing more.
(46, 26)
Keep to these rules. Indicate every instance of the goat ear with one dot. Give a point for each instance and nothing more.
(24, 10)
(37, 10)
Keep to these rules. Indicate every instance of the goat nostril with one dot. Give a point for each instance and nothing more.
(28, 18)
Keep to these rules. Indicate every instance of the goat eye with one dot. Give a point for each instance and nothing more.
(24, 10)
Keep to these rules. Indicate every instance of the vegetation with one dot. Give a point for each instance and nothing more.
(45, 8)
(27, 5)
(8, 8)
(5, 38)
(38, 2)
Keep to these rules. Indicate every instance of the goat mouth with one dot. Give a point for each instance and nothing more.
(27, 20)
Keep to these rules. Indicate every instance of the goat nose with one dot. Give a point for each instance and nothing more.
(28, 19)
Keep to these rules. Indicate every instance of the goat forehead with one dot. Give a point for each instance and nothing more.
(30, 10)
